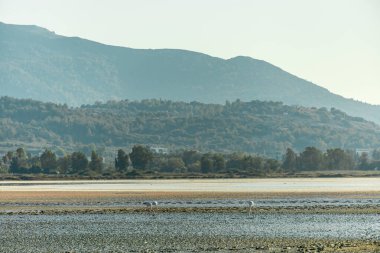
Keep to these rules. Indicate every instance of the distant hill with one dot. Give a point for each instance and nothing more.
(266, 128)
(36, 63)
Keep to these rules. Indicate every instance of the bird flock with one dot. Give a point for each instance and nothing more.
(151, 204)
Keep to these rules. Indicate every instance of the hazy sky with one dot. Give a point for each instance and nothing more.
(333, 43)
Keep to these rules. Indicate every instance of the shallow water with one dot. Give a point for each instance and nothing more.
(42, 233)
(273, 202)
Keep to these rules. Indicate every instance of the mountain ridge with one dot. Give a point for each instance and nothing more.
(39, 64)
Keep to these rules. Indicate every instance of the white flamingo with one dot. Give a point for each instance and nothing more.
(251, 204)
(150, 204)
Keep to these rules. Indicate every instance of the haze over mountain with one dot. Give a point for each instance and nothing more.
(36, 63)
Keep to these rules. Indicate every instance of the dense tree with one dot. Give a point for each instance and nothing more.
(235, 161)
(140, 157)
(247, 163)
(20, 153)
(194, 167)
(121, 161)
(376, 154)
(35, 163)
(3, 169)
(79, 163)
(207, 163)
(290, 160)
(219, 162)
(16, 165)
(191, 156)
(64, 164)
(19, 162)
(364, 161)
(338, 159)
(48, 161)
(7, 158)
(175, 164)
(96, 163)
(257, 165)
(311, 159)
(271, 165)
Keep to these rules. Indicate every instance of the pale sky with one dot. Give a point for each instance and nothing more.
(333, 43)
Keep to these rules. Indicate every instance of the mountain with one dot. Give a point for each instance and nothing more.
(265, 128)
(36, 63)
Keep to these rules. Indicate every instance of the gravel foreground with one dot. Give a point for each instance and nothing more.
(89, 222)
(189, 232)
(174, 243)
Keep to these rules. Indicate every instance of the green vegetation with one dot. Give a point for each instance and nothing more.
(36, 63)
(263, 128)
(141, 162)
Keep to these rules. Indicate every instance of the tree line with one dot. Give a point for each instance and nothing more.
(313, 159)
(142, 160)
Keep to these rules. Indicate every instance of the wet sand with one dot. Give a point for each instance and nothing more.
(73, 195)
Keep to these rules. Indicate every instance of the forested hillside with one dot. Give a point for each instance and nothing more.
(265, 128)
(39, 64)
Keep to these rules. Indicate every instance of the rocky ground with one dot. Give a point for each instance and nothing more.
(42, 222)
(167, 232)
(194, 244)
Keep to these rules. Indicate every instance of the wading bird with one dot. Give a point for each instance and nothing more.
(150, 204)
(251, 204)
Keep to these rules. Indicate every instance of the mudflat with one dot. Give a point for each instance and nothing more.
(192, 215)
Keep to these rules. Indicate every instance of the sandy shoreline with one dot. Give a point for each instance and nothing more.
(286, 185)
(46, 196)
